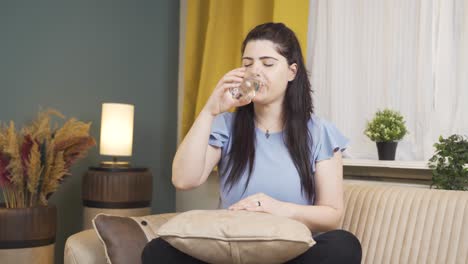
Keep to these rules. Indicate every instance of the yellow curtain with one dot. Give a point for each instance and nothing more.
(215, 30)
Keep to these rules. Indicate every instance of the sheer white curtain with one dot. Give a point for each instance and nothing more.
(408, 55)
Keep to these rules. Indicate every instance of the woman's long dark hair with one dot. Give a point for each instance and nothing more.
(297, 111)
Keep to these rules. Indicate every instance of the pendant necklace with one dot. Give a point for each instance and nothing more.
(267, 131)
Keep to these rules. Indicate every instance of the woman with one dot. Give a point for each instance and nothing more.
(274, 155)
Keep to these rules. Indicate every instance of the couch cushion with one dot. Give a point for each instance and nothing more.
(407, 225)
(224, 236)
(125, 237)
(84, 247)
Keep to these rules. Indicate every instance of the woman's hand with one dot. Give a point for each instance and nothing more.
(221, 99)
(261, 202)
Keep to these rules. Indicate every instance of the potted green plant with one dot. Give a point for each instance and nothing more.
(450, 163)
(33, 163)
(387, 127)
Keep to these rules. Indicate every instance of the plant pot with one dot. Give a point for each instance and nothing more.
(387, 150)
(27, 235)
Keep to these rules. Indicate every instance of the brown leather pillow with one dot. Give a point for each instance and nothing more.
(223, 236)
(125, 237)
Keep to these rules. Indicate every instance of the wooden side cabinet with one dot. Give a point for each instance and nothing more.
(116, 191)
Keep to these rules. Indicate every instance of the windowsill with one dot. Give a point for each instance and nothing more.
(415, 172)
(397, 164)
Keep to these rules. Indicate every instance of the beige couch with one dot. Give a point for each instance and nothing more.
(394, 224)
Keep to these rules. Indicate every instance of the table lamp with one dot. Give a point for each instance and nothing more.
(115, 187)
(116, 133)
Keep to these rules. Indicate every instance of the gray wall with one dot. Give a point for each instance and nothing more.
(74, 55)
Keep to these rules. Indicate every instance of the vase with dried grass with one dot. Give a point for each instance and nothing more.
(34, 161)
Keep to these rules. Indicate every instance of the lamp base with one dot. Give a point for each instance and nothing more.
(115, 164)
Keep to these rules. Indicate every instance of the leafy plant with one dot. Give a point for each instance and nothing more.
(387, 125)
(35, 160)
(450, 163)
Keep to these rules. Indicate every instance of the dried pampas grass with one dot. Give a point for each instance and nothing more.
(35, 161)
(34, 170)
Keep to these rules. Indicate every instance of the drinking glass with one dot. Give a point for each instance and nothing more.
(248, 88)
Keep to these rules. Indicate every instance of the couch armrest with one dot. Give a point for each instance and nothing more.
(84, 248)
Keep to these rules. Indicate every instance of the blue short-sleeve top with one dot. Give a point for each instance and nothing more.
(273, 172)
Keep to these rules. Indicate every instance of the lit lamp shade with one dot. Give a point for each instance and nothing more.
(116, 129)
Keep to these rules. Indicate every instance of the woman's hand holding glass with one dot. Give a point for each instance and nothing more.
(222, 99)
(248, 88)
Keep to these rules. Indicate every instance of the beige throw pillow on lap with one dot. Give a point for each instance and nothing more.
(224, 236)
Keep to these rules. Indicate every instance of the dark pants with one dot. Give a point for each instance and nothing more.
(333, 247)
